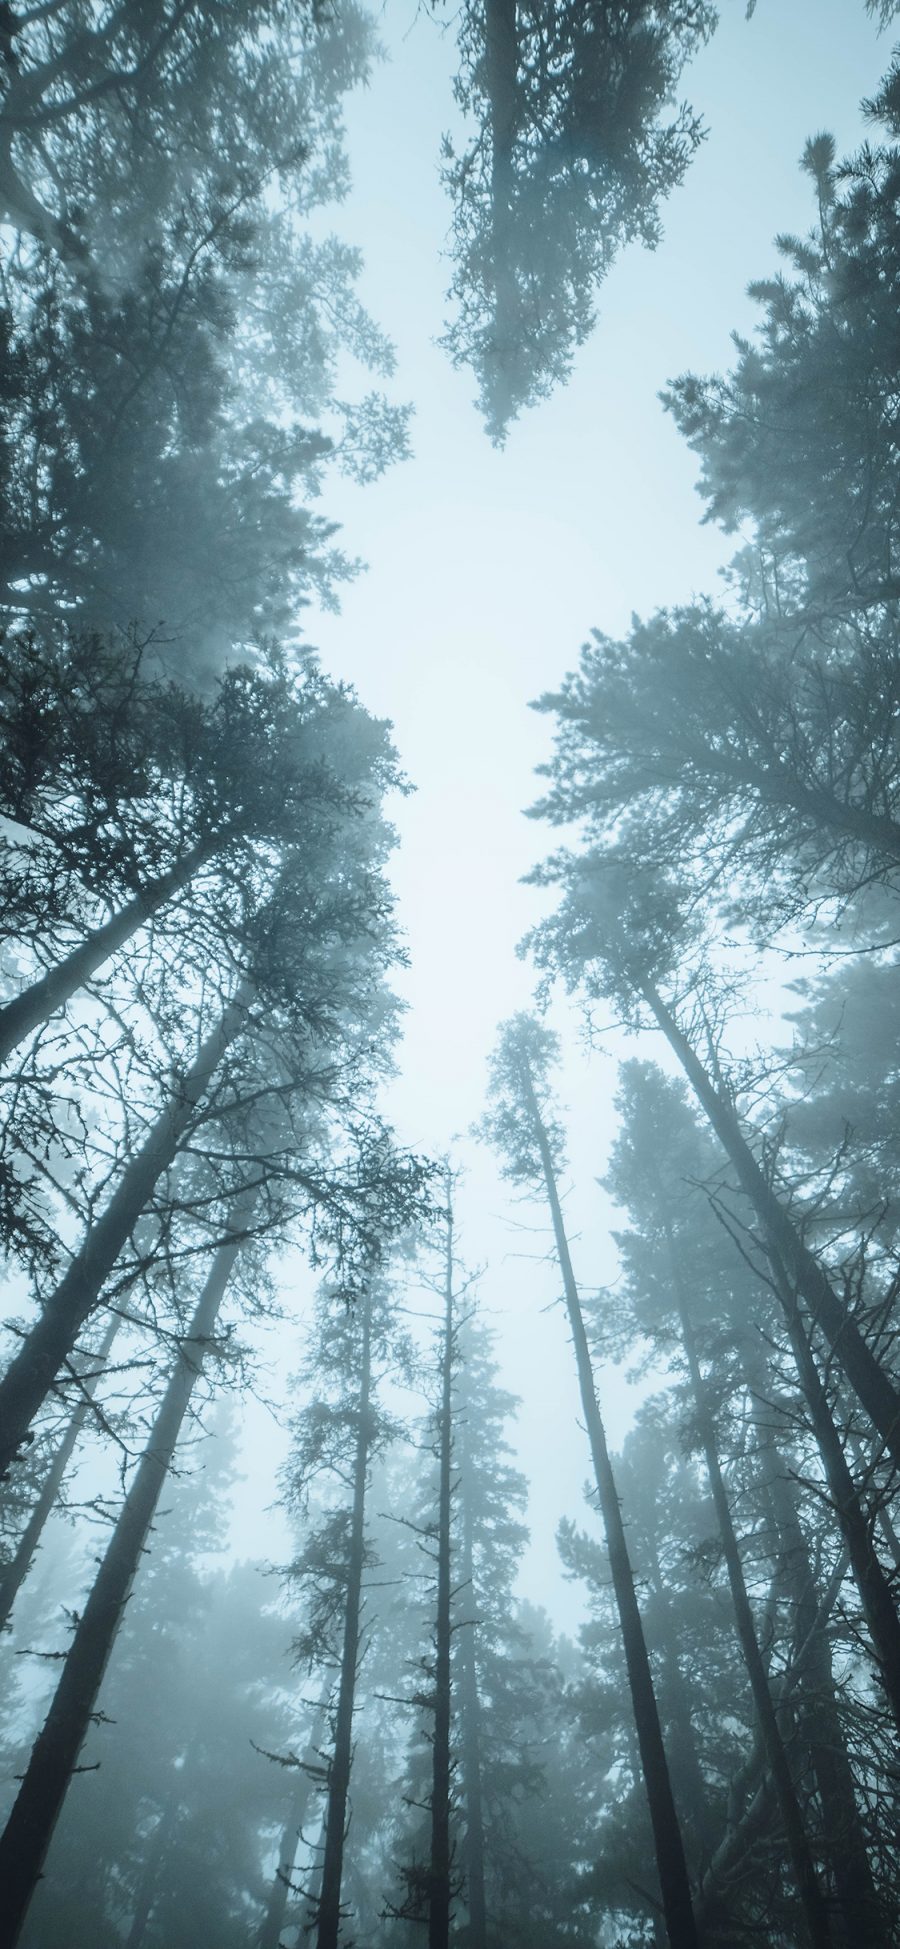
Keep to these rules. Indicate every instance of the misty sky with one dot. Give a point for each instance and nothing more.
(486, 571)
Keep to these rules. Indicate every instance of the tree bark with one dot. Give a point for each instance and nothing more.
(439, 1880)
(54, 1335)
(41, 999)
(668, 1844)
(270, 1933)
(859, 1916)
(470, 1704)
(16, 1571)
(688, 1783)
(874, 1590)
(29, 1830)
(867, 1377)
(328, 1910)
(812, 1900)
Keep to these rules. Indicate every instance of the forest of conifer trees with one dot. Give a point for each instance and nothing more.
(290, 1650)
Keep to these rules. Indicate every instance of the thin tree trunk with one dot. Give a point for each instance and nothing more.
(874, 1590)
(812, 1900)
(36, 1003)
(16, 1571)
(53, 1337)
(684, 1759)
(470, 1705)
(270, 1933)
(149, 1881)
(818, 1715)
(439, 1891)
(872, 1384)
(669, 1846)
(328, 1910)
(29, 1830)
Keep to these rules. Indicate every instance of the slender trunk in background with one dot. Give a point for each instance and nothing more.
(328, 1909)
(150, 1877)
(872, 1384)
(439, 1888)
(667, 1838)
(36, 1003)
(859, 1916)
(470, 1709)
(812, 1900)
(689, 1786)
(270, 1933)
(29, 1830)
(53, 1337)
(13, 1577)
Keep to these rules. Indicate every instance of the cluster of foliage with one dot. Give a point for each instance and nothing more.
(733, 773)
(199, 931)
(197, 1016)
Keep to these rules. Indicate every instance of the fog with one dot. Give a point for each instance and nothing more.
(450, 1397)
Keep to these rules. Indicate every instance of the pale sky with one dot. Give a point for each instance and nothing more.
(486, 571)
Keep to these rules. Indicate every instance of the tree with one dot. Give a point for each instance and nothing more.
(161, 178)
(338, 1436)
(315, 953)
(761, 761)
(578, 139)
(523, 1128)
(798, 438)
(672, 1255)
(29, 1830)
(619, 935)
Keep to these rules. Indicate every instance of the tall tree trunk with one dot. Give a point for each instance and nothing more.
(17, 1569)
(29, 1830)
(328, 1910)
(54, 1335)
(688, 1783)
(860, 1918)
(439, 1880)
(668, 1844)
(270, 1933)
(36, 1003)
(470, 1707)
(149, 1881)
(812, 1900)
(872, 1384)
(874, 1590)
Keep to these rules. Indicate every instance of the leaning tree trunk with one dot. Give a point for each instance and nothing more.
(36, 1003)
(812, 1900)
(689, 1786)
(53, 1337)
(17, 1569)
(667, 1838)
(470, 1708)
(875, 1594)
(859, 1913)
(328, 1908)
(872, 1384)
(439, 1879)
(29, 1830)
(270, 1933)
